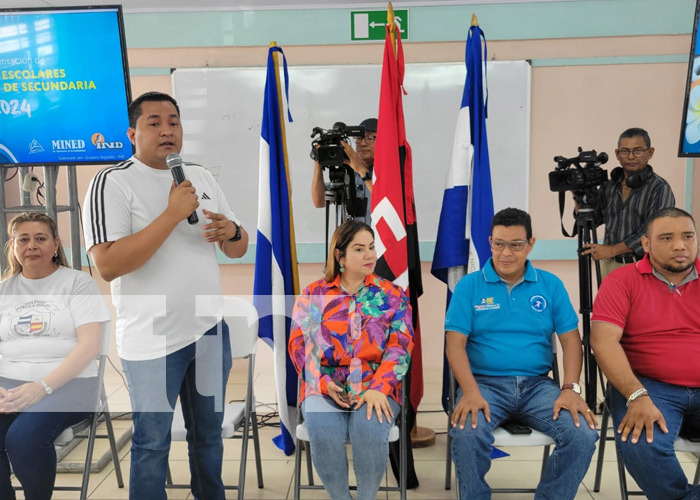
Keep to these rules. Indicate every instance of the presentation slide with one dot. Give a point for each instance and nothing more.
(690, 130)
(64, 87)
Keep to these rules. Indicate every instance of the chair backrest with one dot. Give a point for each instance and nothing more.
(555, 360)
(101, 396)
(242, 319)
(106, 336)
(106, 327)
(101, 364)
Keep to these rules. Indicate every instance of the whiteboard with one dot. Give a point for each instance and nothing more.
(221, 112)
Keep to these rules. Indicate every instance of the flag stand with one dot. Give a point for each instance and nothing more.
(422, 437)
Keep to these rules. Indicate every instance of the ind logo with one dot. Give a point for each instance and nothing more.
(98, 140)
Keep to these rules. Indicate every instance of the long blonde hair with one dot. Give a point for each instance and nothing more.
(13, 265)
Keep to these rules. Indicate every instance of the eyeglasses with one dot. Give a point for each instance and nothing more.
(637, 152)
(367, 138)
(515, 246)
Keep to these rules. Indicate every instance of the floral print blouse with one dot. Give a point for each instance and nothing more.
(360, 341)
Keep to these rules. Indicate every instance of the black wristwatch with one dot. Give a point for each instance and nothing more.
(236, 236)
(368, 176)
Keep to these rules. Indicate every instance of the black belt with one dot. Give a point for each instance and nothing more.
(626, 259)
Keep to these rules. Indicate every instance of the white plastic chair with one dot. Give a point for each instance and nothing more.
(240, 418)
(502, 438)
(394, 434)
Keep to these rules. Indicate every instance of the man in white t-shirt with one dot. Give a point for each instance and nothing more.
(166, 288)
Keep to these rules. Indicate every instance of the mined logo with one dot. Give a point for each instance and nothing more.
(66, 145)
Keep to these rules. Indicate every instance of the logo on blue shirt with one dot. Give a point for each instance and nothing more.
(487, 304)
(538, 303)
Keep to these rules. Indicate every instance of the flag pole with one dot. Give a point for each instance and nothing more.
(295, 270)
(391, 22)
(421, 437)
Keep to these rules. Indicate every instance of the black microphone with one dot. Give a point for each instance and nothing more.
(174, 162)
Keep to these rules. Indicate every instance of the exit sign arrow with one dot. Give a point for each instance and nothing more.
(371, 24)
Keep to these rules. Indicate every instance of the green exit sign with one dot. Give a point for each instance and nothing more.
(371, 24)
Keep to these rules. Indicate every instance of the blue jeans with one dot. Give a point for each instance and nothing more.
(329, 427)
(530, 400)
(27, 438)
(198, 373)
(654, 466)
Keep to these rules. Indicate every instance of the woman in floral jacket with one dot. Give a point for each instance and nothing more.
(351, 343)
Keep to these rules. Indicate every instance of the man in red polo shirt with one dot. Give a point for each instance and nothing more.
(646, 337)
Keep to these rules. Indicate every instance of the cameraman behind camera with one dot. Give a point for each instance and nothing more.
(361, 162)
(632, 194)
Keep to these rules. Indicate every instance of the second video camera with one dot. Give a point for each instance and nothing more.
(580, 173)
(326, 148)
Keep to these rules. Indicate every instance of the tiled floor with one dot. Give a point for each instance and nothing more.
(521, 468)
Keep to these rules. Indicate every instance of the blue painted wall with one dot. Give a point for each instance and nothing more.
(519, 21)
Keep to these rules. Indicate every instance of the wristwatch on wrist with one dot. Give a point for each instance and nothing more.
(46, 387)
(367, 176)
(573, 386)
(236, 236)
(636, 394)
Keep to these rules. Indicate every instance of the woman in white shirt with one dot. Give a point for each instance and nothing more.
(50, 334)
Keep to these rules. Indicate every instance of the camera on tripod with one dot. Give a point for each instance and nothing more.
(326, 148)
(583, 176)
(580, 173)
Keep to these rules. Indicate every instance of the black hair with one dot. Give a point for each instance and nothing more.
(635, 132)
(667, 212)
(513, 217)
(135, 106)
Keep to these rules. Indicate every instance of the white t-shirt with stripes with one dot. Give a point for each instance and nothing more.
(157, 311)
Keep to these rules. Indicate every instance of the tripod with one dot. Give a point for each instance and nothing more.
(335, 195)
(342, 194)
(586, 232)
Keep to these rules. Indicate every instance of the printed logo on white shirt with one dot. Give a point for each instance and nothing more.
(32, 319)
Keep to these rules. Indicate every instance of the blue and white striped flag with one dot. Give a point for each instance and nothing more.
(462, 244)
(276, 275)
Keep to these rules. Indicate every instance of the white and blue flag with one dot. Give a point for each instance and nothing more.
(462, 244)
(276, 275)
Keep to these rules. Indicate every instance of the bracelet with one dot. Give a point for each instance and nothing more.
(636, 394)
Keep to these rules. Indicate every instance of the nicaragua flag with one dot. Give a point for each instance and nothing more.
(276, 276)
(393, 201)
(465, 218)
(462, 244)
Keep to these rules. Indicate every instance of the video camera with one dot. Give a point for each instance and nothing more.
(585, 174)
(326, 148)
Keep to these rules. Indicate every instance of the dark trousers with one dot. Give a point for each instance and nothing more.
(27, 438)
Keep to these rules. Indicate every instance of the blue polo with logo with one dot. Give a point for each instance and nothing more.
(510, 331)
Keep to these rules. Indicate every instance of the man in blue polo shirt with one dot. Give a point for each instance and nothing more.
(499, 345)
